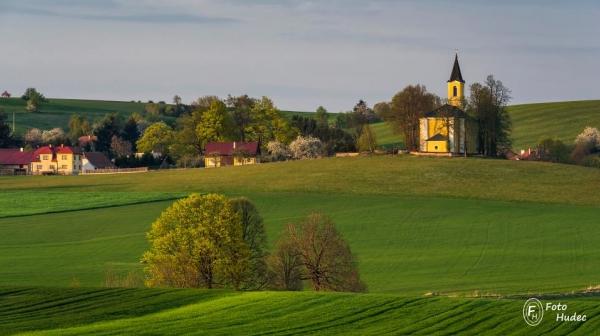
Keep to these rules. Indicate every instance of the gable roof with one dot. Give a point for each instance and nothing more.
(15, 157)
(446, 111)
(227, 148)
(456, 75)
(99, 160)
(437, 137)
(52, 150)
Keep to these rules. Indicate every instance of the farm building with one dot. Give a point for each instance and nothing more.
(64, 160)
(96, 160)
(220, 154)
(15, 161)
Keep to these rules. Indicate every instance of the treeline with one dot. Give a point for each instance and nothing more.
(585, 150)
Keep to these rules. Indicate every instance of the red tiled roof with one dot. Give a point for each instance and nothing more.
(47, 150)
(227, 148)
(15, 157)
(99, 160)
(84, 140)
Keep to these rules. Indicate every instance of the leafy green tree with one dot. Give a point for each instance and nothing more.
(268, 124)
(34, 99)
(322, 116)
(78, 126)
(7, 138)
(367, 140)
(157, 138)
(255, 237)
(312, 249)
(215, 124)
(197, 243)
(176, 100)
(552, 150)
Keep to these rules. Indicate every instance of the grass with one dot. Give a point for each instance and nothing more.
(563, 120)
(122, 311)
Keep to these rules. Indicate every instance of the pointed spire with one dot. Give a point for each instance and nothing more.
(456, 75)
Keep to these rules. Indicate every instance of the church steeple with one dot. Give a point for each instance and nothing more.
(456, 85)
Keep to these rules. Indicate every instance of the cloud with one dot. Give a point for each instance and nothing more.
(107, 11)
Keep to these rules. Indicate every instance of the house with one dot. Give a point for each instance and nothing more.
(88, 141)
(15, 161)
(446, 129)
(220, 154)
(96, 160)
(63, 160)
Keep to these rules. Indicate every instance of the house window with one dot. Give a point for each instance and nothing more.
(51, 166)
(38, 167)
(64, 166)
(455, 91)
(45, 157)
(64, 157)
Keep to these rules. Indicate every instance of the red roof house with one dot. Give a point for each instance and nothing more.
(219, 154)
(15, 161)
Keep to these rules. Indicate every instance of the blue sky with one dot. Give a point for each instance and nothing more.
(301, 54)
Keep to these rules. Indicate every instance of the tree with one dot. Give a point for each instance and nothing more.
(241, 112)
(33, 137)
(407, 107)
(322, 116)
(255, 237)
(120, 147)
(367, 140)
(278, 151)
(312, 249)
(590, 138)
(130, 132)
(7, 138)
(78, 126)
(34, 99)
(176, 100)
(365, 111)
(487, 106)
(268, 124)
(215, 124)
(157, 138)
(304, 148)
(197, 243)
(552, 150)
(381, 110)
(55, 136)
(104, 131)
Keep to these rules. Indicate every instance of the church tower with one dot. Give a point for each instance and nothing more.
(456, 85)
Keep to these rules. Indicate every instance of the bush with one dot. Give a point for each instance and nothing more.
(304, 148)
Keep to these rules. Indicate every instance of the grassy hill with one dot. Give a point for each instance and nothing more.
(563, 120)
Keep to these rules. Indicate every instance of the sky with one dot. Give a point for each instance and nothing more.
(301, 54)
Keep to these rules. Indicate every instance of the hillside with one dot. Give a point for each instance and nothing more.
(562, 120)
(177, 312)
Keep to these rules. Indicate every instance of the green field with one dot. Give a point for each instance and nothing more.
(160, 312)
(563, 120)
(456, 227)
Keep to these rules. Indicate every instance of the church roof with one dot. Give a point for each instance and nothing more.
(446, 111)
(437, 137)
(456, 75)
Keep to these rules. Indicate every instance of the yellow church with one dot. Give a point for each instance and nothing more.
(444, 130)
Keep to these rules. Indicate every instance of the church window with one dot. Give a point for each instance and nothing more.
(436, 147)
(455, 91)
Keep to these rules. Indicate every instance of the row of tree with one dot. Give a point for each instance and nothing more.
(209, 241)
(583, 152)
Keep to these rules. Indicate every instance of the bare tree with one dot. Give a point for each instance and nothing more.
(314, 250)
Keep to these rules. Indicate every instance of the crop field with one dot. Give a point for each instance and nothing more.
(65, 311)
(563, 120)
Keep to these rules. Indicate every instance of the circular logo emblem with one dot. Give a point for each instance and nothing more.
(533, 312)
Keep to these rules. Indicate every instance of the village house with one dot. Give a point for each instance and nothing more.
(220, 154)
(63, 160)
